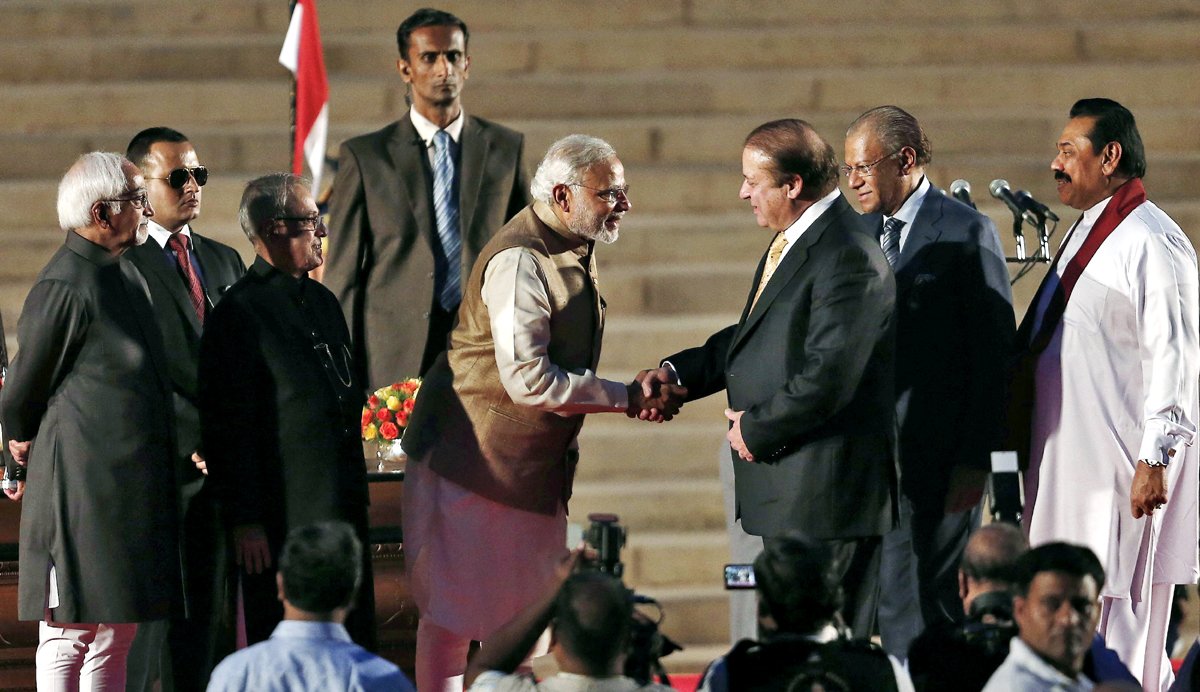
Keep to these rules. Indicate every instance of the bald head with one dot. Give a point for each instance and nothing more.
(989, 559)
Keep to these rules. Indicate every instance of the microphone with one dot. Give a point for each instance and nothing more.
(961, 191)
(1027, 201)
(1000, 190)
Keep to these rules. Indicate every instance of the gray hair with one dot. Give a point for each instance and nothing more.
(897, 128)
(565, 162)
(266, 197)
(93, 177)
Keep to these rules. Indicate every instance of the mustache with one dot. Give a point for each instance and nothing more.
(1062, 175)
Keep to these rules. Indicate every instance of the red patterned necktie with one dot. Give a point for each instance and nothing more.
(178, 243)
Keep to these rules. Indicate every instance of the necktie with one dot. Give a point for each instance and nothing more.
(774, 254)
(178, 243)
(445, 207)
(890, 240)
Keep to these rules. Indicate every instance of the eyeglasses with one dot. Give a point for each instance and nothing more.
(138, 200)
(609, 195)
(304, 223)
(866, 170)
(179, 177)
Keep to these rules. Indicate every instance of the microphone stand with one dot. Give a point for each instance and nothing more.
(1019, 239)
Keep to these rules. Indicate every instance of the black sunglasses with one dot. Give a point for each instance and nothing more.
(179, 177)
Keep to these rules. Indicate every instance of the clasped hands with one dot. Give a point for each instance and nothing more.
(654, 396)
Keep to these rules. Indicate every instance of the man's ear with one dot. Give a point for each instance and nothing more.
(100, 213)
(279, 587)
(560, 196)
(1110, 156)
(404, 69)
(795, 187)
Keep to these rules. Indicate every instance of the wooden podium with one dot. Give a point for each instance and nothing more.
(395, 612)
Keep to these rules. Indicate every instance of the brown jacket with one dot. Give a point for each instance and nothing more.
(474, 433)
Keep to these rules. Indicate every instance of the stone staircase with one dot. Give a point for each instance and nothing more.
(675, 85)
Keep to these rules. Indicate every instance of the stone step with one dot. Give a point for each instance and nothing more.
(515, 52)
(655, 560)
(693, 505)
(250, 148)
(624, 450)
(762, 93)
(82, 18)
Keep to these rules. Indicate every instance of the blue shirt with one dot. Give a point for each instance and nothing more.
(307, 656)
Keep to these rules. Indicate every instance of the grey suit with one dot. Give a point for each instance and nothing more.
(811, 366)
(954, 327)
(383, 241)
(197, 643)
(90, 388)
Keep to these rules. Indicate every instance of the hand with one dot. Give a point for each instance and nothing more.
(661, 404)
(253, 551)
(1148, 491)
(966, 488)
(198, 460)
(572, 561)
(735, 435)
(16, 495)
(19, 451)
(652, 382)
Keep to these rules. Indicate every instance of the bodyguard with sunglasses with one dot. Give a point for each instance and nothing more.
(187, 274)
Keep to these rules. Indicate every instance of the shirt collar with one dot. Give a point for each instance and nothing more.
(426, 129)
(1027, 658)
(162, 235)
(293, 286)
(1090, 216)
(908, 211)
(802, 224)
(304, 629)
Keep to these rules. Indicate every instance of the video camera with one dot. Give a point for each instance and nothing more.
(647, 645)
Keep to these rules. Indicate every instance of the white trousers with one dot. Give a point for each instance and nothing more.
(1137, 631)
(82, 657)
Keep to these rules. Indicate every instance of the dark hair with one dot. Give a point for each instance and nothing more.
(321, 565)
(139, 146)
(1074, 560)
(799, 583)
(992, 553)
(427, 16)
(897, 128)
(1114, 123)
(592, 616)
(795, 148)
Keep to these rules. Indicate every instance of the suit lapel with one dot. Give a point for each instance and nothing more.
(407, 149)
(926, 229)
(787, 270)
(156, 267)
(475, 148)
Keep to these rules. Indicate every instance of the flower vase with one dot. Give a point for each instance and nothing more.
(390, 456)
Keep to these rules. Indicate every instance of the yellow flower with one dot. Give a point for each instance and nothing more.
(393, 403)
(370, 432)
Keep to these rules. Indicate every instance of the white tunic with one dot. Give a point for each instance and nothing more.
(1118, 382)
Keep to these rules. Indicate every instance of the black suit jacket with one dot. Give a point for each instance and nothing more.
(383, 242)
(279, 406)
(954, 330)
(811, 366)
(220, 266)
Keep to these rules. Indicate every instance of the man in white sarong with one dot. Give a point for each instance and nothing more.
(492, 439)
(1114, 355)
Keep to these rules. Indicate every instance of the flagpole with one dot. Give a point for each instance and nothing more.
(292, 120)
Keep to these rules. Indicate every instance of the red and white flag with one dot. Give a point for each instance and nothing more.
(303, 56)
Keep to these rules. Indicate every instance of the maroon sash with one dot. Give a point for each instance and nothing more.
(1021, 386)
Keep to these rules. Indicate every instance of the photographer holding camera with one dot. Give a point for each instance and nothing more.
(589, 614)
(799, 598)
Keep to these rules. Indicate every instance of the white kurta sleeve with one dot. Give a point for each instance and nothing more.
(1170, 341)
(518, 304)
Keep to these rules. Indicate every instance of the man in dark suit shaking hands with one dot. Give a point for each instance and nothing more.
(414, 203)
(808, 367)
(187, 274)
(954, 326)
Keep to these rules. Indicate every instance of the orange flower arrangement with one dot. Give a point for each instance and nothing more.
(386, 414)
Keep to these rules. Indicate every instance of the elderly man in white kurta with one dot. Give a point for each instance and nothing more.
(492, 440)
(1113, 466)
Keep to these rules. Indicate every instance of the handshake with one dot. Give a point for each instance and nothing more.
(654, 396)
